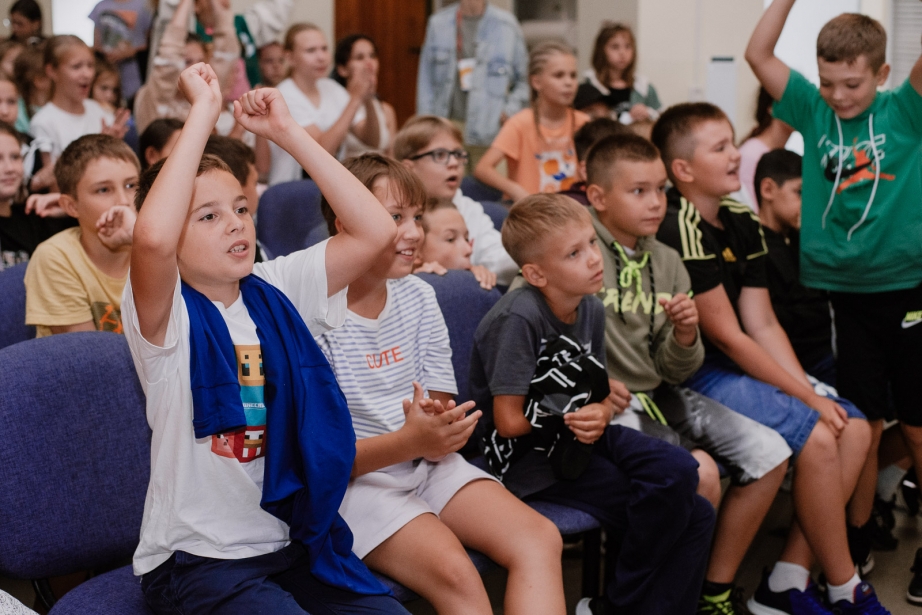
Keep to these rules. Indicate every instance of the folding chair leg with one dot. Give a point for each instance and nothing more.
(592, 562)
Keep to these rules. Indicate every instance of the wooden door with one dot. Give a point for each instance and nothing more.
(398, 27)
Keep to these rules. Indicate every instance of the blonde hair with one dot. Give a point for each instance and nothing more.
(850, 35)
(600, 61)
(537, 61)
(533, 219)
(419, 132)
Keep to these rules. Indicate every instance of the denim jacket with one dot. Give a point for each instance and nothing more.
(500, 79)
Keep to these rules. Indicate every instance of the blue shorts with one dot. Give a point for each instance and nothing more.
(721, 380)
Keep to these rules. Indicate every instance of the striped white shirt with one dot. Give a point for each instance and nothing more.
(377, 360)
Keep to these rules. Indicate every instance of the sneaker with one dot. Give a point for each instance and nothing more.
(880, 531)
(859, 544)
(728, 603)
(909, 487)
(595, 606)
(790, 602)
(866, 603)
(914, 594)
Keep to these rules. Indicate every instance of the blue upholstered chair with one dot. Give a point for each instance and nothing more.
(76, 461)
(479, 191)
(289, 216)
(464, 304)
(497, 213)
(13, 327)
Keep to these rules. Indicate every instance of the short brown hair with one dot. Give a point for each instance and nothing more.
(606, 153)
(368, 168)
(436, 204)
(850, 35)
(235, 153)
(533, 218)
(77, 156)
(419, 132)
(208, 163)
(673, 130)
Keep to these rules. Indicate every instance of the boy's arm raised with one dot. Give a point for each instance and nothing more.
(163, 216)
(367, 227)
(772, 72)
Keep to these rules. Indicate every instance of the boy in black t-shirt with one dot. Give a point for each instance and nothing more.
(538, 374)
(803, 312)
(750, 365)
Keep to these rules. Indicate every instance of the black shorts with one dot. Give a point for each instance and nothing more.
(879, 341)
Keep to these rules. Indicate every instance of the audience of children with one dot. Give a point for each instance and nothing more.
(74, 280)
(70, 113)
(591, 132)
(429, 502)
(327, 110)
(106, 87)
(537, 143)
(538, 375)
(859, 230)
(769, 134)
(715, 345)
(160, 96)
(120, 34)
(241, 509)
(611, 88)
(34, 85)
(26, 22)
(431, 147)
(158, 140)
(272, 66)
(356, 57)
(446, 244)
(20, 233)
(652, 344)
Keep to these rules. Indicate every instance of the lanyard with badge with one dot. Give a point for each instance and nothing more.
(465, 65)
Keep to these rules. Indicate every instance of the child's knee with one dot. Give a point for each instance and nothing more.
(454, 573)
(821, 446)
(708, 477)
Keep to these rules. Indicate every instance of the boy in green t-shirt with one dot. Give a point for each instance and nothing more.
(861, 222)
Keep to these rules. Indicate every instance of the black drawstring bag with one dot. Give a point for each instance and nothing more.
(567, 377)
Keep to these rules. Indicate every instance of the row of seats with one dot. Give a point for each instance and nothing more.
(76, 454)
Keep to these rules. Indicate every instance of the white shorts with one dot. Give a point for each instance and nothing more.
(379, 503)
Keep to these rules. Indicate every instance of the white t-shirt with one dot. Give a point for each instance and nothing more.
(488, 241)
(57, 128)
(333, 101)
(203, 496)
(376, 361)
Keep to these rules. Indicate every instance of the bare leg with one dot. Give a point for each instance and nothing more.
(428, 558)
(742, 512)
(913, 437)
(862, 501)
(486, 517)
(894, 450)
(819, 501)
(708, 477)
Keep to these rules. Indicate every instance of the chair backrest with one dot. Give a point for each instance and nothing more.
(13, 327)
(479, 191)
(464, 303)
(287, 214)
(75, 457)
(497, 213)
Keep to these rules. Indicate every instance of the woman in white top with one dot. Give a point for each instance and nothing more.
(327, 110)
(357, 54)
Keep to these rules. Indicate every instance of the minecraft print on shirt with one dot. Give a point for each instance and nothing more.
(247, 443)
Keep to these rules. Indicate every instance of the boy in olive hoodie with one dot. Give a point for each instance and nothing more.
(652, 344)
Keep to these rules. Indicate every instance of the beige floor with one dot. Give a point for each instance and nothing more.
(890, 576)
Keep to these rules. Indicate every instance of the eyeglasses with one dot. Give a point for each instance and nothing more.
(441, 155)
